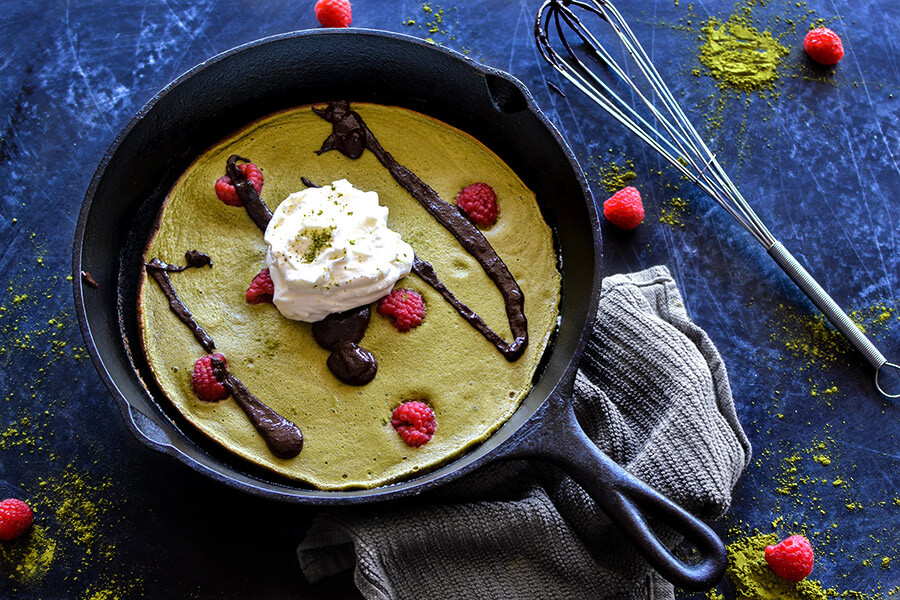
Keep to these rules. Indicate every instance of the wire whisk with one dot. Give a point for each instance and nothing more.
(673, 137)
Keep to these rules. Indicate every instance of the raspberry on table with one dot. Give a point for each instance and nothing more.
(415, 423)
(624, 209)
(791, 559)
(823, 46)
(15, 519)
(204, 382)
(479, 202)
(225, 188)
(334, 13)
(405, 307)
(261, 288)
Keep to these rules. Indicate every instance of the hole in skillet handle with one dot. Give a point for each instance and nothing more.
(627, 501)
(506, 96)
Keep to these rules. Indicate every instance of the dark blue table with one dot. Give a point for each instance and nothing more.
(818, 159)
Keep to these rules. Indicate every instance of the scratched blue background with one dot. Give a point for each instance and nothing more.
(817, 159)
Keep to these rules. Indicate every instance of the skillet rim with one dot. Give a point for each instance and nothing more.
(503, 439)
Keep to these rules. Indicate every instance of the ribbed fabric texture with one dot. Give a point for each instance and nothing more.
(652, 393)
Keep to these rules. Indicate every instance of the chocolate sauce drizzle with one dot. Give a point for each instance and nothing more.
(350, 136)
(159, 271)
(247, 193)
(283, 437)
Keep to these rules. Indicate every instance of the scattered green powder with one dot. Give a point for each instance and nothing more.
(822, 459)
(787, 481)
(28, 559)
(78, 506)
(672, 213)
(810, 337)
(740, 56)
(433, 22)
(885, 562)
(875, 318)
(115, 588)
(614, 177)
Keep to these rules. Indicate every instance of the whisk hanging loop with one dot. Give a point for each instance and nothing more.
(674, 138)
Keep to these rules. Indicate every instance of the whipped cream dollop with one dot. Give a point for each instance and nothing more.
(330, 250)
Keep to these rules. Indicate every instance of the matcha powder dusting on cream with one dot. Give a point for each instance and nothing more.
(740, 56)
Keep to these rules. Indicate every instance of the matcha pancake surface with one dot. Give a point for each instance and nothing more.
(348, 438)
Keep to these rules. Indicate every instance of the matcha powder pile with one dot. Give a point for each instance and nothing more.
(754, 580)
(739, 55)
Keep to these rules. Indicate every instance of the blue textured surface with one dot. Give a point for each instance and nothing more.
(817, 159)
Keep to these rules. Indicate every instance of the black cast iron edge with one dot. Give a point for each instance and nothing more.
(549, 432)
(139, 423)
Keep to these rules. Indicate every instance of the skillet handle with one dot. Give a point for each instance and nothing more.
(626, 500)
(148, 429)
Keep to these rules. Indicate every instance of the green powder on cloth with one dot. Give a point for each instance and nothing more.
(740, 56)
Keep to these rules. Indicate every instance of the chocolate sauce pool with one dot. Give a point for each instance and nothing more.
(283, 437)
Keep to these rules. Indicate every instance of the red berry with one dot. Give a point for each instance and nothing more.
(415, 422)
(823, 46)
(791, 559)
(405, 306)
(334, 13)
(624, 208)
(225, 189)
(261, 288)
(204, 382)
(15, 519)
(479, 202)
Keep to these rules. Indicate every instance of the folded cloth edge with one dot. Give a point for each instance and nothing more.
(331, 542)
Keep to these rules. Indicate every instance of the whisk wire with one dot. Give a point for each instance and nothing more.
(683, 148)
(675, 138)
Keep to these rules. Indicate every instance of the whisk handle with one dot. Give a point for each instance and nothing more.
(824, 302)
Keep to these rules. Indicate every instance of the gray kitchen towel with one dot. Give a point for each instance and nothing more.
(652, 393)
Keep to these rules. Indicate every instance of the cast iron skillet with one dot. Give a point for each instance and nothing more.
(232, 89)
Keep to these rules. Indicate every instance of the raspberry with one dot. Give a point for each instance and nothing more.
(15, 519)
(334, 13)
(261, 288)
(791, 559)
(823, 46)
(624, 208)
(415, 422)
(405, 306)
(479, 202)
(204, 382)
(225, 189)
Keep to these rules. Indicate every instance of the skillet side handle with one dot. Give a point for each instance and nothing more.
(627, 500)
